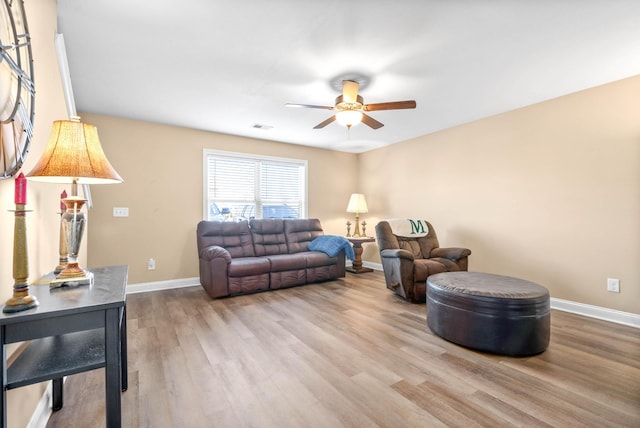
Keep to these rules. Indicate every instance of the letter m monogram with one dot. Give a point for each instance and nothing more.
(416, 226)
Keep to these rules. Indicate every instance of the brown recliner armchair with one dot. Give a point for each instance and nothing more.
(407, 261)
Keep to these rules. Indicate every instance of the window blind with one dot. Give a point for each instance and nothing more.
(243, 186)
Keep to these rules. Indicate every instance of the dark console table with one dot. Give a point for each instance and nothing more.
(74, 329)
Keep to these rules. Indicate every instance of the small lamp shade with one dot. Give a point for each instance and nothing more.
(74, 154)
(357, 204)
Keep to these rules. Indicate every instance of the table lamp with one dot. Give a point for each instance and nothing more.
(74, 155)
(357, 204)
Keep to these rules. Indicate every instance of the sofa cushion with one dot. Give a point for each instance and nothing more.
(282, 262)
(300, 232)
(268, 236)
(316, 259)
(249, 266)
(235, 237)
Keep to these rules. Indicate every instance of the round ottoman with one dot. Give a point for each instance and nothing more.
(487, 312)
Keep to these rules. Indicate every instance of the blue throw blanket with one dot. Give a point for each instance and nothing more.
(331, 245)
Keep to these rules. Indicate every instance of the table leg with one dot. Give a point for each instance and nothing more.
(123, 350)
(113, 371)
(3, 381)
(356, 265)
(57, 394)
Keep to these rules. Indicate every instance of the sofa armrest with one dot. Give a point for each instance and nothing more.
(214, 268)
(452, 253)
(396, 253)
(214, 252)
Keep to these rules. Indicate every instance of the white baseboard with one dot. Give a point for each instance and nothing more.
(598, 312)
(374, 266)
(41, 415)
(144, 287)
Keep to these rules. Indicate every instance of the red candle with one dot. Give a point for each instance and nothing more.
(21, 190)
(63, 195)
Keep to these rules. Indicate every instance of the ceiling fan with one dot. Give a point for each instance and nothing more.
(350, 108)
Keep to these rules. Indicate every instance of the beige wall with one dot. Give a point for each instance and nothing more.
(162, 169)
(43, 199)
(550, 192)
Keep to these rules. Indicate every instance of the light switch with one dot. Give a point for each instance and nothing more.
(120, 212)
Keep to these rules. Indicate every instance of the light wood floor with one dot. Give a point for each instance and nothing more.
(349, 353)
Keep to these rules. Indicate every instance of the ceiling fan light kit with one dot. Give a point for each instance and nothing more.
(349, 118)
(350, 108)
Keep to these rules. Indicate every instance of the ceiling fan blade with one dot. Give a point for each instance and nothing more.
(325, 123)
(393, 105)
(369, 121)
(308, 106)
(349, 91)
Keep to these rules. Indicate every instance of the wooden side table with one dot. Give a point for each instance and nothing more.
(357, 242)
(74, 329)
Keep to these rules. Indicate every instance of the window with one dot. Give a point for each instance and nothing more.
(245, 186)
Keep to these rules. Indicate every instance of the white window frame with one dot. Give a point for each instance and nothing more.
(253, 157)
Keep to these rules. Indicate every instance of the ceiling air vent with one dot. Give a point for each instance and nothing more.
(263, 127)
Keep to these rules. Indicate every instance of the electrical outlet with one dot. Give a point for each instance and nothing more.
(120, 212)
(613, 285)
(151, 264)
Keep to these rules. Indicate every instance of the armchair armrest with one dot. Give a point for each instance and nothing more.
(398, 266)
(452, 253)
(214, 252)
(396, 254)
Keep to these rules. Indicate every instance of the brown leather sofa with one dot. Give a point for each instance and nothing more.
(408, 261)
(262, 254)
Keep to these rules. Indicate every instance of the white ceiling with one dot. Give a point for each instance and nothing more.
(226, 65)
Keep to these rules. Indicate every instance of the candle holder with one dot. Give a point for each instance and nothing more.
(348, 229)
(21, 299)
(62, 248)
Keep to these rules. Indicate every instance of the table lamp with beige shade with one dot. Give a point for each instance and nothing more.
(357, 204)
(74, 155)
